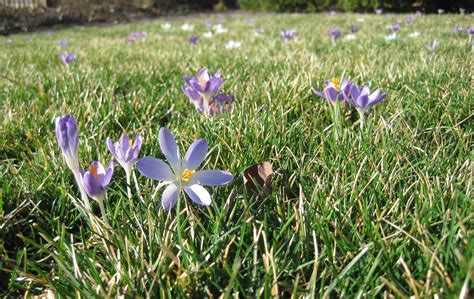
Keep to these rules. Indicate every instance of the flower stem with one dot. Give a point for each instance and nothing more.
(100, 200)
(361, 120)
(128, 174)
(84, 197)
(337, 119)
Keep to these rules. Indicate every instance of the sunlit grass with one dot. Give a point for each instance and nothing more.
(388, 211)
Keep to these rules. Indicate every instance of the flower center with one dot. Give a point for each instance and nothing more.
(202, 80)
(94, 171)
(130, 142)
(335, 82)
(187, 174)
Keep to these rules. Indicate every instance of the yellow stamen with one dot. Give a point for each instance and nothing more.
(94, 171)
(130, 142)
(202, 80)
(187, 174)
(335, 82)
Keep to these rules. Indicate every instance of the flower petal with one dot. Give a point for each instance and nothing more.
(169, 148)
(198, 194)
(318, 93)
(211, 177)
(196, 154)
(108, 174)
(155, 169)
(170, 196)
(111, 146)
(91, 185)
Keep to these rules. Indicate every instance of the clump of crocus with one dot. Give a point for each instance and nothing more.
(410, 19)
(68, 140)
(182, 174)
(257, 31)
(288, 34)
(333, 92)
(222, 102)
(458, 29)
(67, 58)
(132, 37)
(96, 181)
(232, 44)
(126, 151)
(193, 39)
(470, 32)
(362, 99)
(64, 42)
(334, 33)
(201, 89)
(395, 27)
(354, 29)
(433, 46)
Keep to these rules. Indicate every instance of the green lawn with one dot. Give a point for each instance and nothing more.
(385, 211)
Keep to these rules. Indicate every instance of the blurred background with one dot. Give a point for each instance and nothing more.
(23, 15)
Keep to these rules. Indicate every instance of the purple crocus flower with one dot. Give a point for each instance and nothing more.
(125, 150)
(68, 139)
(201, 89)
(433, 46)
(379, 11)
(49, 32)
(180, 174)
(354, 29)
(67, 58)
(209, 24)
(362, 99)
(194, 39)
(418, 13)
(395, 27)
(332, 91)
(63, 42)
(97, 179)
(458, 29)
(470, 31)
(288, 34)
(132, 37)
(334, 33)
(222, 102)
(410, 19)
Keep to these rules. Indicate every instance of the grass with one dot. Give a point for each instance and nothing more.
(384, 212)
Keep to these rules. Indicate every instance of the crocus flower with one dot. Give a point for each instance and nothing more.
(222, 102)
(379, 11)
(418, 13)
(332, 91)
(288, 34)
(97, 179)
(354, 29)
(209, 25)
(202, 88)
(180, 174)
(458, 29)
(414, 34)
(462, 11)
(470, 31)
(362, 99)
(410, 19)
(219, 29)
(68, 139)
(440, 11)
(350, 37)
(187, 27)
(207, 34)
(49, 32)
(360, 20)
(433, 46)
(132, 37)
(395, 27)
(232, 44)
(166, 26)
(67, 58)
(334, 33)
(63, 42)
(194, 39)
(257, 31)
(391, 36)
(126, 150)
